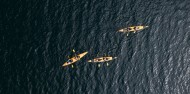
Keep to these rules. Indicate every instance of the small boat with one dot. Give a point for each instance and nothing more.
(132, 29)
(102, 59)
(74, 59)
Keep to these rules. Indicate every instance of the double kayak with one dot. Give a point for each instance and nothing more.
(74, 59)
(132, 29)
(102, 59)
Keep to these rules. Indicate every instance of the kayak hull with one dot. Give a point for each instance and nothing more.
(101, 59)
(74, 59)
(132, 29)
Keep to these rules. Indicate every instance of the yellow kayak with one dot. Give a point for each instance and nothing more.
(132, 29)
(102, 59)
(74, 59)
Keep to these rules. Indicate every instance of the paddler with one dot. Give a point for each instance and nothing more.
(77, 57)
(69, 61)
(129, 28)
(105, 59)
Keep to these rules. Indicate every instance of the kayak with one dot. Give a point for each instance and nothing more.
(102, 59)
(74, 59)
(132, 29)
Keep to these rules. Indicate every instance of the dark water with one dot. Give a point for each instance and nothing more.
(37, 37)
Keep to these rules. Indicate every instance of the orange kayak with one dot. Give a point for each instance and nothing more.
(102, 59)
(132, 29)
(74, 59)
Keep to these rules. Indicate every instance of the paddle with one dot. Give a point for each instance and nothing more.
(107, 64)
(98, 65)
(127, 34)
(73, 50)
(75, 54)
(135, 31)
(72, 66)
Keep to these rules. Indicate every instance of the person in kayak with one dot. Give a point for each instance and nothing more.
(69, 61)
(99, 59)
(77, 57)
(105, 59)
(129, 28)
